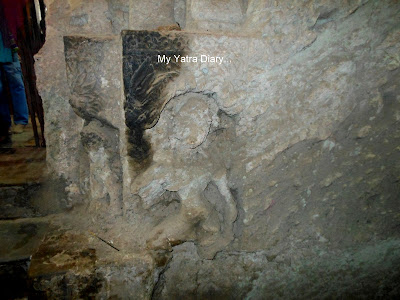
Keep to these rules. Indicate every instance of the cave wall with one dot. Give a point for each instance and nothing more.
(257, 176)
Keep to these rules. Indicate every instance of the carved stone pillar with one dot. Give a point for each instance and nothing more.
(95, 98)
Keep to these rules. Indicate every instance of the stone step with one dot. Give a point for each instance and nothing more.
(21, 238)
(20, 166)
(77, 265)
(18, 201)
(24, 190)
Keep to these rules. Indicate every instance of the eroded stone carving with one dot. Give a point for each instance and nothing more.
(99, 137)
(144, 80)
(300, 138)
(185, 135)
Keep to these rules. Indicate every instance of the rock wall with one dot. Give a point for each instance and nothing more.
(270, 173)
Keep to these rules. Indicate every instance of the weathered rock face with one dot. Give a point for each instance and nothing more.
(63, 126)
(92, 95)
(212, 15)
(269, 173)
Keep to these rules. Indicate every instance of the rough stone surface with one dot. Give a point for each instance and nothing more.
(180, 12)
(270, 175)
(210, 15)
(95, 99)
(33, 199)
(118, 15)
(50, 63)
(67, 265)
(15, 201)
(79, 17)
(151, 14)
(190, 277)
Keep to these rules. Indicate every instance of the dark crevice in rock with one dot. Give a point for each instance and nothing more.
(160, 282)
(325, 17)
(334, 15)
(309, 45)
(238, 223)
(358, 7)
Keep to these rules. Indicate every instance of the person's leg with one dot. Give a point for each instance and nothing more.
(14, 78)
(5, 119)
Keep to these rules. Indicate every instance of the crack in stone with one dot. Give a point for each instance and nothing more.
(160, 281)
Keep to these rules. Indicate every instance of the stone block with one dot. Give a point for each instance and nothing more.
(209, 15)
(94, 80)
(72, 265)
(118, 14)
(180, 12)
(250, 171)
(151, 14)
(216, 11)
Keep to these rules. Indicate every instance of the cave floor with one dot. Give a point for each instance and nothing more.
(22, 229)
(21, 166)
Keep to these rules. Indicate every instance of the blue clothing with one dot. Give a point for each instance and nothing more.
(11, 70)
(5, 53)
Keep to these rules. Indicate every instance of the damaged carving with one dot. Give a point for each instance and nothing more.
(144, 81)
(99, 137)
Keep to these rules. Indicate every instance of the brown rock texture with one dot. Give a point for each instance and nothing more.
(269, 174)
